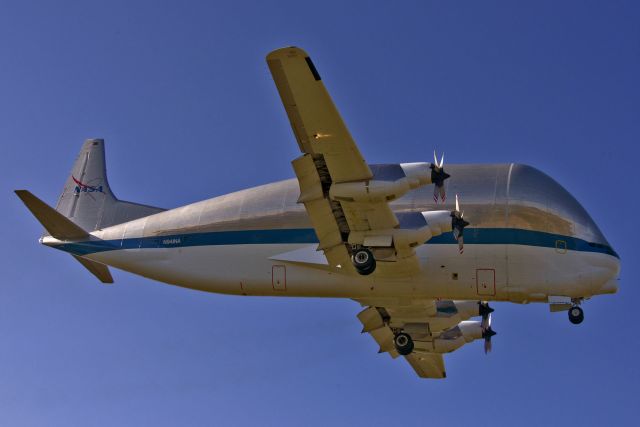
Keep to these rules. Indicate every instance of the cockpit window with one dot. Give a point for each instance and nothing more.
(538, 202)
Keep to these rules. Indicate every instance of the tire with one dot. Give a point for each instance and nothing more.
(403, 344)
(576, 315)
(367, 271)
(363, 261)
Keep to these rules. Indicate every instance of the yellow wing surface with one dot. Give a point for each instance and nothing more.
(331, 166)
(436, 327)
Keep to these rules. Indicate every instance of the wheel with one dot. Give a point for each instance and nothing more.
(363, 261)
(576, 315)
(367, 271)
(403, 343)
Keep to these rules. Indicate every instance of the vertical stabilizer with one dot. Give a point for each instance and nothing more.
(87, 198)
(87, 191)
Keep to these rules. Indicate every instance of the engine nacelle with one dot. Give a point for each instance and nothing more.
(467, 309)
(419, 174)
(435, 223)
(369, 191)
(447, 345)
(438, 222)
(471, 330)
(389, 183)
(454, 338)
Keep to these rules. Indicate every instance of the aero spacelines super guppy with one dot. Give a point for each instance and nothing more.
(386, 236)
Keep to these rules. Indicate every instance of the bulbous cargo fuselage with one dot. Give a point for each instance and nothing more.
(528, 239)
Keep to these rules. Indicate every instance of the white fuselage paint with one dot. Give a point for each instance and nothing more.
(492, 272)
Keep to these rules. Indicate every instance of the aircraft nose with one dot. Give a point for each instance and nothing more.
(606, 278)
(611, 287)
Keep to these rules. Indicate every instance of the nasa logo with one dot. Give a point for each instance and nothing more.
(84, 188)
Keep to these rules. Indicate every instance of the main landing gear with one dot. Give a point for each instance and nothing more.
(403, 343)
(363, 261)
(576, 315)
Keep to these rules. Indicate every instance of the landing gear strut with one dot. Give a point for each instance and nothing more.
(403, 343)
(363, 261)
(576, 315)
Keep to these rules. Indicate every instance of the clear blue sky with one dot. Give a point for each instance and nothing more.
(181, 93)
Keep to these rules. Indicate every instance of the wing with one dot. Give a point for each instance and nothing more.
(315, 121)
(346, 203)
(436, 327)
(427, 365)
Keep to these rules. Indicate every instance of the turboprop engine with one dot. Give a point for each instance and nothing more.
(416, 228)
(464, 333)
(389, 182)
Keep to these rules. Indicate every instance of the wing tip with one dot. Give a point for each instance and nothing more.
(286, 52)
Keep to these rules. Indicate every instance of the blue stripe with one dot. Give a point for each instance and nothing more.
(490, 236)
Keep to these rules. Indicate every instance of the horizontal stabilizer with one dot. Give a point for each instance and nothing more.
(53, 221)
(101, 271)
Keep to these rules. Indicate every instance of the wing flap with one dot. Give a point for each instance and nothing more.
(322, 212)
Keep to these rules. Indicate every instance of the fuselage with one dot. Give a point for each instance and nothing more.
(528, 239)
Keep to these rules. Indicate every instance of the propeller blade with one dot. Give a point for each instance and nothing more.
(487, 346)
(438, 176)
(487, 339)
(486, 321)
(485, 311)
(458, 224)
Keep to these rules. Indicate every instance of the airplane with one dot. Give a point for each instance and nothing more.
(420, 264)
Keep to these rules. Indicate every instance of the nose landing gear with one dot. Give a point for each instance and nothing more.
(576, 315)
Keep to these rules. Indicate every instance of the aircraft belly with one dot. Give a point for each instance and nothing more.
(247, 270)
(517, 273)
(451, 275)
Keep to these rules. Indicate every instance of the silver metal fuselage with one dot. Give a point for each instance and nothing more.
(528, 239)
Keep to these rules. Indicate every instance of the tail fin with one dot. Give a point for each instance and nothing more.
(87, 198)
(86, 204)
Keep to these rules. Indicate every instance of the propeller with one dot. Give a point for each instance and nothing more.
(457, 225)
(485, 312)
(438, 175)
(487, 332)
